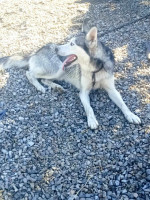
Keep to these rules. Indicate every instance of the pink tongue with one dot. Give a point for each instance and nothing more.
(68, 59)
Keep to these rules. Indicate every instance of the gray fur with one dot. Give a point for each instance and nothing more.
(46, 59)
(45, 63)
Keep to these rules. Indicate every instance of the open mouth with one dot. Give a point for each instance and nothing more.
(69, 60)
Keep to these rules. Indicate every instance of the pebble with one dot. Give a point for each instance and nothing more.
(21, 118)
(124, 191)
(148, 171)
(117, 183)
(135, 195)
(30, 143)
(148, 177)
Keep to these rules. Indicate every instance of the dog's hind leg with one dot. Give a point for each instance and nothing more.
(53, 85)
(35, 82)
(115, 96)
(92, 122)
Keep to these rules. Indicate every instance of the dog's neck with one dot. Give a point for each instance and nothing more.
(85, 64)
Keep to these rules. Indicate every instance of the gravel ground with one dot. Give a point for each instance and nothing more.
(46, 149)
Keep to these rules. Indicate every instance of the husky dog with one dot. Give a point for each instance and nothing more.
(84, 62)
(96, 64)
(45, 64)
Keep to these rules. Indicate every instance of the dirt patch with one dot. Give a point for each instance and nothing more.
(27, 25)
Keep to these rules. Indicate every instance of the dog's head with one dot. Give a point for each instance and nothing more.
(74, 52)
(85, 49)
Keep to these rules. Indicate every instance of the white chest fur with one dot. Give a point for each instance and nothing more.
(87, 81)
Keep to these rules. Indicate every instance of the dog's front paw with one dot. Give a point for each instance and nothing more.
(92, 123)
(59, 88)
(41, 89)
(132, 118)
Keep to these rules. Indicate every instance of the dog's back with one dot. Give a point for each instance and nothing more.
(45, 61)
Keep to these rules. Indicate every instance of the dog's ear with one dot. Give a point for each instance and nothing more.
(85, 25)
(92, 35)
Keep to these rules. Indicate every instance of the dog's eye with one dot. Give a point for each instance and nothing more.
(71, 44)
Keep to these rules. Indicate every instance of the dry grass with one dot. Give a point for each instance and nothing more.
(26, 25)
(142, 85)
(146, 3)
(1, 195)
(121, 53)
(3, 78)
(49, 174)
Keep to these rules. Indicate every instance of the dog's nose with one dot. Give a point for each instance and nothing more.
(56, 49)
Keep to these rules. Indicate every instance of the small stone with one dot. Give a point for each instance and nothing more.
(21, 118)
(110, 182)
(1, 130)
(72, 192)
(72, 197)
(32, 185)
(147, 190)
(148, 171)
(30, 143)
(124, 181)
(4, 151)
(117, 183)
(148, 177)
(124, 197)
(88, 162)
(20, 152)
(21, 185)
(10, 154)
(87, 195)
(25, 180)
(140, 165)
(135, 195)
(124, 191)
(104, 194)
(15, 188)
(109, 145)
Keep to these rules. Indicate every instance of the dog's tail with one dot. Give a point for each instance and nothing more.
(13, 61)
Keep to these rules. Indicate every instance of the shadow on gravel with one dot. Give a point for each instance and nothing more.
(126, 32)
(119, 30)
